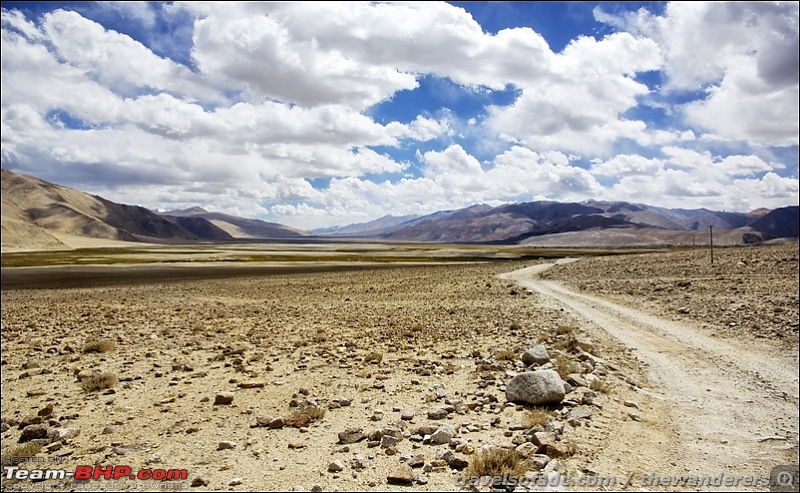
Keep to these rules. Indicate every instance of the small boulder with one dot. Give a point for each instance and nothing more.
(351, 435)
(443, 434)
(403, 476)
(536, 388)
(536, 355)
(223, 398)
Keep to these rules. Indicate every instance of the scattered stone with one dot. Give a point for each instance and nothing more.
(33, 432)
(772, 437)
(388, 441)
(407, 415)
(53, 447)
(46, 411)
(536, 355)
(296, 445)
(539, 461)
(458, 463)
(443, 434)
(437, 413)
(416, 461)
(631, 404)
(536, 388)
(576, 380)
(226, 445)
(351, 435)
(302, 420)
(251, 384)
(198, 482)
(425, 430)
(403, 476)
(235, 482)
(223, 398)
(527, 449)
(578, 413)
(336, 466)
(542, 438)
(60, 434)
(358, 462)
(277, 423)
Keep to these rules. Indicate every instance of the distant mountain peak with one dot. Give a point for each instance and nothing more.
(191, 211)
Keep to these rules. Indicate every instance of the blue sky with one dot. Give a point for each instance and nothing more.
(316, 114)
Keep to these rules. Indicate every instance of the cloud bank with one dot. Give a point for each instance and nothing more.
(298, 112)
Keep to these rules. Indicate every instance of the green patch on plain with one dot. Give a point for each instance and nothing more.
(379, 253)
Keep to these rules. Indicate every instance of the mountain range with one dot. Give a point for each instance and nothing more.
(40, 215)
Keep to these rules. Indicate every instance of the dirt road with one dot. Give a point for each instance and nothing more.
(710, 407)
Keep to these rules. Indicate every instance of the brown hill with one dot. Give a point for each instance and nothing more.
(36, 213)
(239, 227)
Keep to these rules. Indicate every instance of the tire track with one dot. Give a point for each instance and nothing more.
(723, 398)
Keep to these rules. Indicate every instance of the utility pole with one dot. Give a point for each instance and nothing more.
(711, 242)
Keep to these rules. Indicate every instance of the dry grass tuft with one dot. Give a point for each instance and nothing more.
(603, 386)
(564, 366)
(565, 329)
(373, 357)
(566, 344)
(304, 416)
(497, 462)
(99, 346)
(506, 355)
(99, 381)
(536, 417)
(313, 412)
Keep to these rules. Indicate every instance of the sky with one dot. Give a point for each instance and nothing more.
(316, 114)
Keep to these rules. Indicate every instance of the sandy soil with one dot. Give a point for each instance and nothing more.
(389, 342)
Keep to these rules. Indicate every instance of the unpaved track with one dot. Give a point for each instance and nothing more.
(716, 406)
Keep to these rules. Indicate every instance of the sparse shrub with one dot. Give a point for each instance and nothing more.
(373, 357)
(99, 346)
(515, 326)
(506, 355)
(565, 329)
(256, 358)
(536, 417)
(497, 462)
(314, 412)
(603, 386)
(450, 368)
(564, 366)
(567, 344)
(99, 381)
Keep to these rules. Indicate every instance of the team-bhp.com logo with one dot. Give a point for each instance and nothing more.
(95, 472)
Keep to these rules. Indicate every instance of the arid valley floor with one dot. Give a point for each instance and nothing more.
(333, 378)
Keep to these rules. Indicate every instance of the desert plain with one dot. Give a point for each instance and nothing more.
(381, 368)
